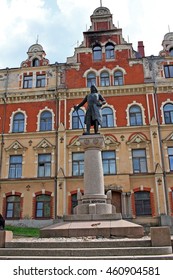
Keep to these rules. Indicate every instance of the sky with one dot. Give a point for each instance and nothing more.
(58, 25)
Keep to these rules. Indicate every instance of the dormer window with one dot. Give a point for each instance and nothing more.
(35, 62)
(110, 54)
(97, 53)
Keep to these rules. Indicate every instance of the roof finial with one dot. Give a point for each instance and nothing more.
(100, 3)
(37, 39)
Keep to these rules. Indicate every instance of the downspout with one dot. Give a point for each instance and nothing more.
(160, 140)
(56, 143)
(3, 120)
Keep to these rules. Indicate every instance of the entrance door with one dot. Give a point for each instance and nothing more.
(116, 201)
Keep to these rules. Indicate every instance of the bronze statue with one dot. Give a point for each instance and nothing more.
(93, 115)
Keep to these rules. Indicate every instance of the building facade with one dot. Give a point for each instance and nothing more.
(41, 160)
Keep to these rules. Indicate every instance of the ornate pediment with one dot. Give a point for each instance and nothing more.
(111, 140)
(168, 139)
(16, 146)
(44, 144)
(138, 138)
(74, 142)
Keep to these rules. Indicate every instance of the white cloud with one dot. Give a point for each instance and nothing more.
(60, 24)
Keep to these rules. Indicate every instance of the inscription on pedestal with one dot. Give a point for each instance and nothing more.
(93, 201)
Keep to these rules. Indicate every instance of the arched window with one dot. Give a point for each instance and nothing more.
(46, 121)
(78, 119)
(107, 117)
(135, 115)
(110, 54)
(43, 206)
(91, 79)
(35, 62)
(142, 203)
(168, 113)
(13, 207)
(18, 122)
(104, 79)
(97, 53)
(118, 78)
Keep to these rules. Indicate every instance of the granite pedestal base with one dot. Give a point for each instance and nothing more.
(99, 228)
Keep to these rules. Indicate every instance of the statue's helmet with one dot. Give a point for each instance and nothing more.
(93, 88)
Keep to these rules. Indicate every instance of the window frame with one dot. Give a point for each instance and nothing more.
(97, 53)
(91, 79)
(77, 164)
(14, 205)
(168, 71)
(109, 162)
(143, 203)
(107, 118)
(169, 118)
(18, 123)
(27, 81)
(110, 51)
(76, 122)
(137, 116)
(41, 206)
(15, 167)
(44, 165)
(45, 122)
(118, 78)
(170, 158)
(140, 161)
(104, 79)
(40, 80)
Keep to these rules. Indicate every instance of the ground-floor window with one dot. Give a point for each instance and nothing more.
(142, 203)
(13, 207)
(43, 206)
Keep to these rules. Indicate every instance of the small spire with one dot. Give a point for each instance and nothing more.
(169, 29)
(37, 39)
(100, 3)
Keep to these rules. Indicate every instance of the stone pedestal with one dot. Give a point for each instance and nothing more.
(94, 215)
(94, 201)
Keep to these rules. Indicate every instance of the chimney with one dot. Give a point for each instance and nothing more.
(141, 48)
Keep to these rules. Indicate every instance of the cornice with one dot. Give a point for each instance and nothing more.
(52, 93)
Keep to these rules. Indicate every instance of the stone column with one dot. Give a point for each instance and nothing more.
(93, 170)
(94, 199)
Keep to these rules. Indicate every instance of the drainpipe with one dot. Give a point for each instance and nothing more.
(3, 120)
(160, 139)
(56, 142)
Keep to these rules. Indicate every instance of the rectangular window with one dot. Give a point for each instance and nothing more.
(27, 82)
(41, 81)
(139, 161)
(170, 155)
(168, 69)
(15, 167)
(44, 165)
(109, 162)
(78, 164)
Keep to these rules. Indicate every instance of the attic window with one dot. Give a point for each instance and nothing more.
(35, 62)
(97, 53)
(110, 51)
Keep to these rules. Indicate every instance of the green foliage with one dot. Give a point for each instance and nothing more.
(24, 231)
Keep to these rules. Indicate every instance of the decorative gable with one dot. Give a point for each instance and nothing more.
(74, 142)
(35, 52)
(138, 139)
(44, 145)
(111, 140)
(15, 147)
(168, 139)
